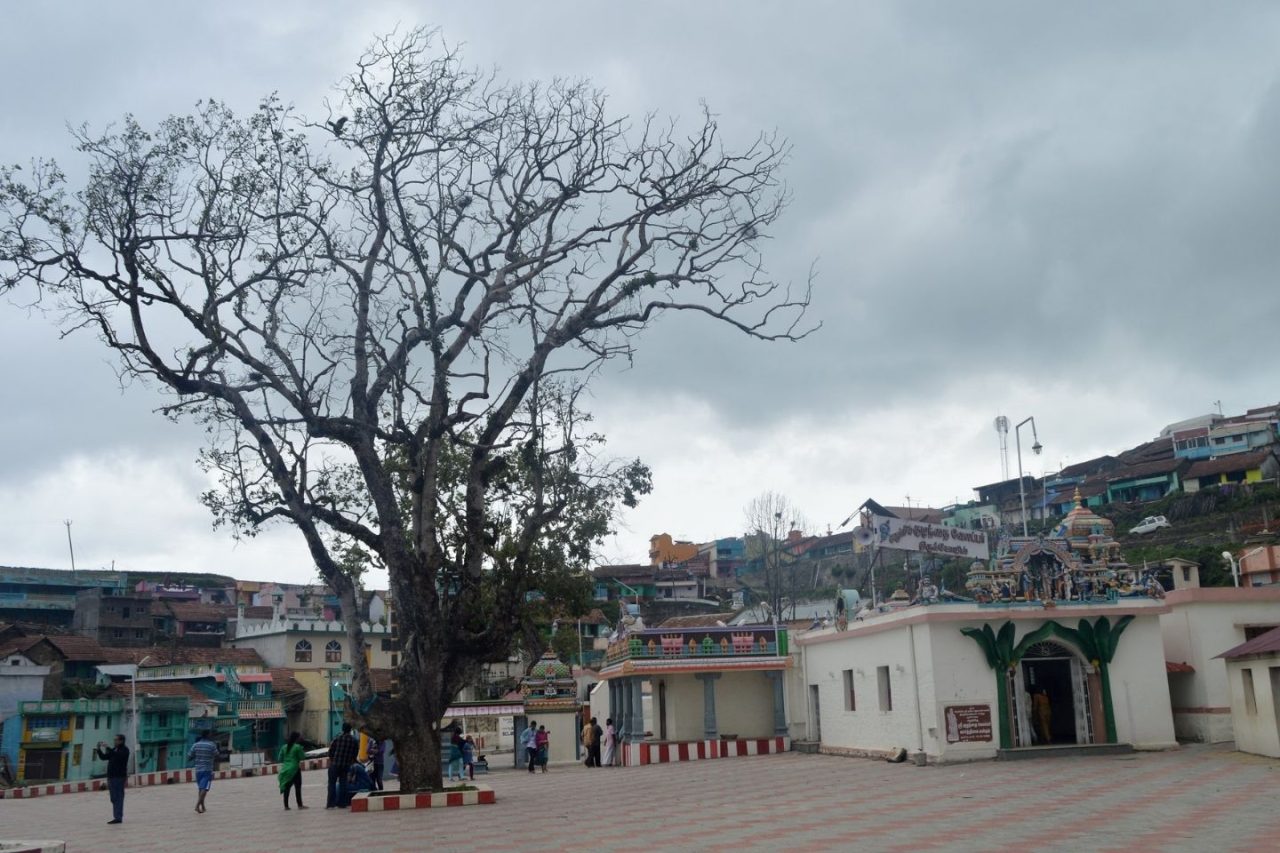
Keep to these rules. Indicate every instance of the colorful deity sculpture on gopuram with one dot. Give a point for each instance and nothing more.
(1079, 560)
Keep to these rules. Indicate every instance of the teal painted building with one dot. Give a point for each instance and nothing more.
(54, 740)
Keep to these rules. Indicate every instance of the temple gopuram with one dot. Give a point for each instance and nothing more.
(1079, 561)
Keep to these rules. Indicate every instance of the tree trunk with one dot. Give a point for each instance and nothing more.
(418, 756)
(411, 718)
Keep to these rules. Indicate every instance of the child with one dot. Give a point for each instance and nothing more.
(542, 739)
(469, 757)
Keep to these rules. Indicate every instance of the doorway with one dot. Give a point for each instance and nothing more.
(42, 765)
(1048, 683)
(815, 714)
(162, 757)
(519, 724)
(1051, 697)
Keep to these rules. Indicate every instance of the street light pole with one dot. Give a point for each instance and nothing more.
(133, 713)
(1022, 486)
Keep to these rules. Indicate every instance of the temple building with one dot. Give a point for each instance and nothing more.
(551, 699)
(1060, 645)
(714, 692)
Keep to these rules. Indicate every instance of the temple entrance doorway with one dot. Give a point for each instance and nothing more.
(1048, 684)
(1050, 690)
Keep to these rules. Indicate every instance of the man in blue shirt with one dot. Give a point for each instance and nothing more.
(528, 739)
(203, 756)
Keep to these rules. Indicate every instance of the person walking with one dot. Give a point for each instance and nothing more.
(529, 740)
(117, 758)
(376, 761)
(342, 752)
(543, 742)
(469, 757)
(291, 756)
(597, 735)
(610, 742)
(203, 757)
(455, 756)
(588, 735)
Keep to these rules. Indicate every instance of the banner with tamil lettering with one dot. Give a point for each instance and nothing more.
(936, 539)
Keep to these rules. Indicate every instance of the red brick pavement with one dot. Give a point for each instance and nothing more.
(1192, 799)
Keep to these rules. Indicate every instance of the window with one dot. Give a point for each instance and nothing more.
(333, 652)
(139, 634)
(80, 723)
(95, 721)
(117, 633)
(125, 614)
(886, 690)
(1186, 573)
(850, 701)
(77, 752)
(1250, 701)
(302, 652)
(394, 660)
(260, 688)
(162, 721)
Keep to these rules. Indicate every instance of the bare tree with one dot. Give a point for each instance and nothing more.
(386, 320)
(770, 518)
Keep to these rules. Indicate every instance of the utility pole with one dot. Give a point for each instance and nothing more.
(70, 547)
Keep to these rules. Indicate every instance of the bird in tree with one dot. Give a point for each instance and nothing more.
(337, 126)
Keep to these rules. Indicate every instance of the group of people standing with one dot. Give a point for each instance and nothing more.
(601, 743)
(347, 775)
(462, 757)
(536, 742)
(202, 757)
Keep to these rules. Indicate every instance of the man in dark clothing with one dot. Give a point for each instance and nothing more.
(597, 734)
(117, 758)
(342, 754)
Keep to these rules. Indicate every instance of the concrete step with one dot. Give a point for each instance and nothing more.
(1063, 750)
(809, 746)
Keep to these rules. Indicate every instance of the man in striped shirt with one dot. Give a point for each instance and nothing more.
(203, 756)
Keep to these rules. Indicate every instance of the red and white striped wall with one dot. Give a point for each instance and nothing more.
(163, 777)
(482, 796)
(635, 754)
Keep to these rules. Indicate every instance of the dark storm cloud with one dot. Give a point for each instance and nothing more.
(1036, 202)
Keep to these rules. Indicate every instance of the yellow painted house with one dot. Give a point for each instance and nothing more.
(1252, 467)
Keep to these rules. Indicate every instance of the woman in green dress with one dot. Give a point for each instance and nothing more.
(291, 755)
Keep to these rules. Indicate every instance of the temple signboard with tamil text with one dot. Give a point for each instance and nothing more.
(937, 539)
(968, 724)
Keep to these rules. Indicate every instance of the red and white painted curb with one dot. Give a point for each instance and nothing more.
(162, 777)
(635, 754)
(482, 796)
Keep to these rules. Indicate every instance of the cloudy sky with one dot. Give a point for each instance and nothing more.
(1061, 210)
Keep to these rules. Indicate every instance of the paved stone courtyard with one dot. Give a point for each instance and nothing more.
(1198, 798)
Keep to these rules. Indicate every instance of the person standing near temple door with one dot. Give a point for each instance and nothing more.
(1042, 712)
(597, 735)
